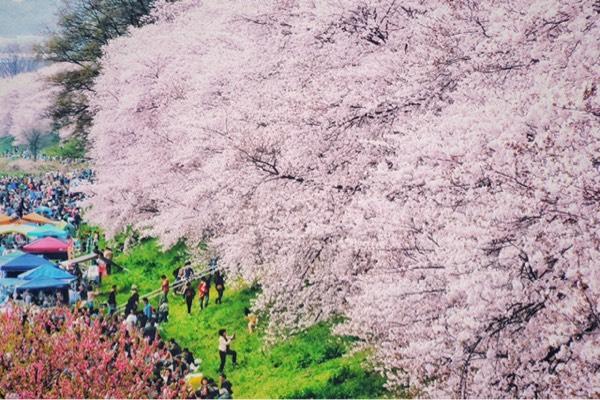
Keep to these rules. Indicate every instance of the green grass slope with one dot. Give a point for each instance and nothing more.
(311, 364)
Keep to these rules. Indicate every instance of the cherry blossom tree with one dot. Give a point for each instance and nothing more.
(431, 171)
(24, 102)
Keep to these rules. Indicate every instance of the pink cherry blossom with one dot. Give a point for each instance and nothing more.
(428, 170)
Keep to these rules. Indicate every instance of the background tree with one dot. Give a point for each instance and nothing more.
(24, 103)
(84, 26)
(16, 59)
(430, 170)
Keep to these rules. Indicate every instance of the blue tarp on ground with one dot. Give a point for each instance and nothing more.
(47, 271)
(22, 263)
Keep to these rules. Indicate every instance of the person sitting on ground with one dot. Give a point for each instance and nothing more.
(187, 356)
(226, 391)
(251, 318)
(174, 348)
(204, 391)
(225, 349)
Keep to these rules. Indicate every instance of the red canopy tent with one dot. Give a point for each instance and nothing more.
(50, 247)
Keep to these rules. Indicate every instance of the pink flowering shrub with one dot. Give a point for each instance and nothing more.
(53, 354)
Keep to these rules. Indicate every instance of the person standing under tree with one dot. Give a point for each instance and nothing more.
(220, 286)
(108, 256)
(164, 286)
(189, 294)
(225, 349)
(207, 279)
(202, 292)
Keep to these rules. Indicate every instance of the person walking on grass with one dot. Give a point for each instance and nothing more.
(164, 286)
(225, 349)
(220, 286)
(203, 293)
(189, 294)
(207, 279)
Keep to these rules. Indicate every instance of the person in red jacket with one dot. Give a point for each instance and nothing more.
(202, 292)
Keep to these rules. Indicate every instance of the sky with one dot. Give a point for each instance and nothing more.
(26, 20)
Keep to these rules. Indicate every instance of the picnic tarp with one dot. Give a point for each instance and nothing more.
(5, 219)
(16, 228)
(47, 271)
(47, 245)
(37, 219)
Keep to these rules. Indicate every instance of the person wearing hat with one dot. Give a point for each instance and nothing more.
(133, 300)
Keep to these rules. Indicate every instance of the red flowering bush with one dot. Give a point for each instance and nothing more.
(58, 354)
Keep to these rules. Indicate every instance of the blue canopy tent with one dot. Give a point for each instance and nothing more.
(48, 286)
(11, 267)
(7, 287)
(11, 282)
(40, 284)
(47, 271)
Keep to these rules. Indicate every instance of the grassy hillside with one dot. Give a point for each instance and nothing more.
(310, 364)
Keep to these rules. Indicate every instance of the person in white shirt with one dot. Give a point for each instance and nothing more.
(27, 297)
(130, 321)
(93, 273)
(225, 349)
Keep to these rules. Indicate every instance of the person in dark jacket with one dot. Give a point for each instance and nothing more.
(112, 300)
(220, 286)
(189, 294)
(132, 302)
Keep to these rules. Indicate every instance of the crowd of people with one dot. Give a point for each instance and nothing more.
(164, 364)
(171, 363)
(54, 194)
(51, 193)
